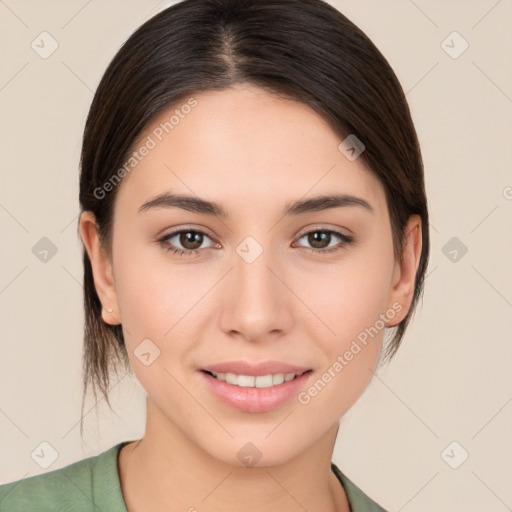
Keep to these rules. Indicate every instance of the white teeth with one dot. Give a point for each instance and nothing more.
(245, 381)
(231, 378)
(263, 381)
(278, 378)
(251, 381)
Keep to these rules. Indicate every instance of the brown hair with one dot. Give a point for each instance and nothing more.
(305, 50)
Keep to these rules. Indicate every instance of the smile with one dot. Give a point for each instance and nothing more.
(255, 393)
(255, 381)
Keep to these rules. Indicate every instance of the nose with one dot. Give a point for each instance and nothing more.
(256, 303)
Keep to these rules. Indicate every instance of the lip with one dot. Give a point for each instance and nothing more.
(255, 400)
(256, 369)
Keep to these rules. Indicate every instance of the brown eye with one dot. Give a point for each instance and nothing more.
(184, 242)
(191, 240)
(320, 240)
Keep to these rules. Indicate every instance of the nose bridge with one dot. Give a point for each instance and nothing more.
(255, 302)
(254, 282)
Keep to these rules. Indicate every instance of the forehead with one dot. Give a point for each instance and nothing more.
(244, 146)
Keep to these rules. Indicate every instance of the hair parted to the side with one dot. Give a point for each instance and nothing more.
(304, 50)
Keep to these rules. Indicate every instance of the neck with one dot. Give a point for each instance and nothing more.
(166, 470)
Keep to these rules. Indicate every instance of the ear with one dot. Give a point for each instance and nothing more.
(404, 274)
(101, 268)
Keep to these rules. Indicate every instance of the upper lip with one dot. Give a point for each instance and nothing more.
(256, 369)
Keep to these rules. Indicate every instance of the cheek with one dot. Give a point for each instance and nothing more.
(160, 301)
(153, 292)
(153, 306)
(350, 299)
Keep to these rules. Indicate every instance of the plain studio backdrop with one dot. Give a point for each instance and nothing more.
(432, 431)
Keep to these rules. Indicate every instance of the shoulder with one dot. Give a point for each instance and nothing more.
(358, 500)
(50, 491)
(77, 486)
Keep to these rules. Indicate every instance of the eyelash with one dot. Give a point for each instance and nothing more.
(345, 240)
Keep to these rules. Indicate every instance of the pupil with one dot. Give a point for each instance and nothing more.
(317, 238)
(191, 240)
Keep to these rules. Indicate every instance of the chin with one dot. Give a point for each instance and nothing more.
(257, 450)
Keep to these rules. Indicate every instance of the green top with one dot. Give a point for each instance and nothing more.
(92, 484)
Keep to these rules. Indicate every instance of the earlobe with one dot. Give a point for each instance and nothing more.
(404, 276)
(108, 316)
(101, 268)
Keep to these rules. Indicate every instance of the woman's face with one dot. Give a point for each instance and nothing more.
(245, 293)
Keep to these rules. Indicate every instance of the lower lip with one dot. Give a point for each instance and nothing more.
(255, 399)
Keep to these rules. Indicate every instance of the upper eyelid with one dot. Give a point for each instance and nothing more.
(185, 229)
(314, 229)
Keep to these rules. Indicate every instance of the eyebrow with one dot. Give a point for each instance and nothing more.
(198, 205)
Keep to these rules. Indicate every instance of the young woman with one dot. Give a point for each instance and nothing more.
(254, 219)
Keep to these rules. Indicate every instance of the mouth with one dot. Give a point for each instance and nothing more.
(256, 381)
(255, 388)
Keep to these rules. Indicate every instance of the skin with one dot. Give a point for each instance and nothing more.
(289, 304)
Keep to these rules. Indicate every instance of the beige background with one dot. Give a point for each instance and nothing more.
(451, 379)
